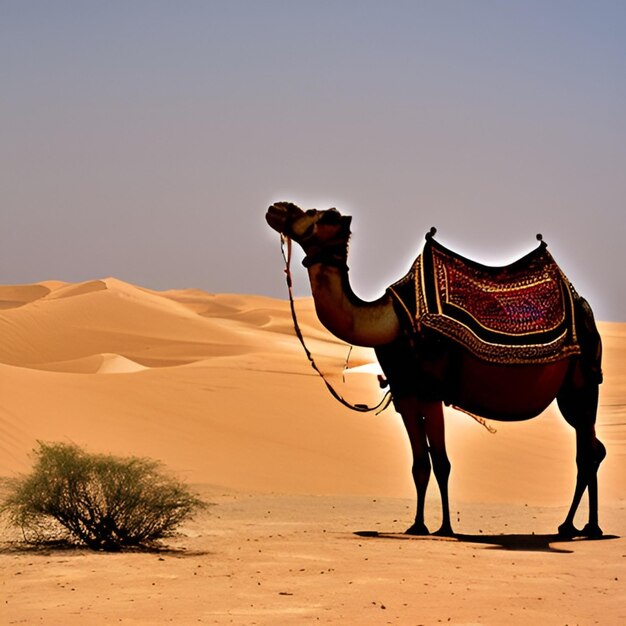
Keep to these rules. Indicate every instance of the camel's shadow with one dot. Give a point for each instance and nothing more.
(515, 542)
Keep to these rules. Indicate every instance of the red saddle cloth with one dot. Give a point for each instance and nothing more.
(520, 313)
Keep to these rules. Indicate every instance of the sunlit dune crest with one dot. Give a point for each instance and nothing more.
(366, 368)
(94, 364)
(12, 296)
(78, 289)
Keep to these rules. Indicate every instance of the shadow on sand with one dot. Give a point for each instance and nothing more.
(525, 543)
(50, 548)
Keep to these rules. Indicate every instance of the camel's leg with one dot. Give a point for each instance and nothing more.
(579, 406)
(436, 435)
(409, 408)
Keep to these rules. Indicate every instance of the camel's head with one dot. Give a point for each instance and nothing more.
(318, 232)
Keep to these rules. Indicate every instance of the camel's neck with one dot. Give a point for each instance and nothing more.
(347, 316)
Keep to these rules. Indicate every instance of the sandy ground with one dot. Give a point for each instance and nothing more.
(263, 559)
(309, 499)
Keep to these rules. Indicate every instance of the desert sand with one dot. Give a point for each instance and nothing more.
(308, 499)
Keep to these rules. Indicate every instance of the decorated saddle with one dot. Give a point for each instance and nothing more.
(517, 314)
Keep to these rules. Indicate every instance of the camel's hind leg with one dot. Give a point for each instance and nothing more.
(578, 404)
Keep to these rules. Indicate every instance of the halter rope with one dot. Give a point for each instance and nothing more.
(361, 408)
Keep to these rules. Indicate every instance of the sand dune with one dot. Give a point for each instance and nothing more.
(193, 367)
(218, 388)
(79, 289)
(110, 316)
(14, 296)
(94, 364)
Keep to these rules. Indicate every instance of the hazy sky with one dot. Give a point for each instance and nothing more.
(145, 139)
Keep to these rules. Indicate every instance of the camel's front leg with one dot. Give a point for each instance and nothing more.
(435, 432)
(410, 409)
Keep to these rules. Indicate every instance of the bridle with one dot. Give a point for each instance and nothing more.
(285, 242)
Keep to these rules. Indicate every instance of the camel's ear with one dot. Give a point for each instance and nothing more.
(333, 217)
(346, 220)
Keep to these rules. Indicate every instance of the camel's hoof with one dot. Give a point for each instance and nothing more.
(567, 530)
(418, 529)
(591, 531)
(444, 531)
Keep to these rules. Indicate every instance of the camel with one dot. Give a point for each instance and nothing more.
(426, 366)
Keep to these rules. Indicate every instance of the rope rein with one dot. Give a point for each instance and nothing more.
(361, 408)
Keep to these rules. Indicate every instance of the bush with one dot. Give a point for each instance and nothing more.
(101, 501)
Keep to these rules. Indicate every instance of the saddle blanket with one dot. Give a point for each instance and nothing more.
(519, 313)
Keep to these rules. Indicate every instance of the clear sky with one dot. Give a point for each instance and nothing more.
(145, 139)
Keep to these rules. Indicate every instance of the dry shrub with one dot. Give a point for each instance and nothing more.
(101, 501)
